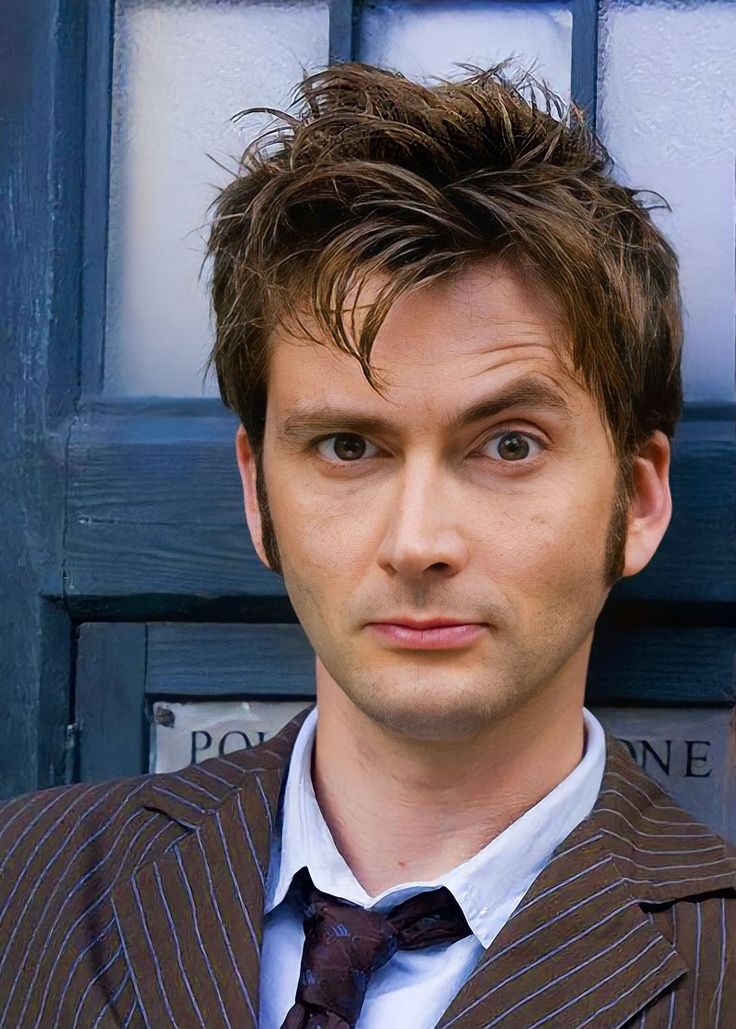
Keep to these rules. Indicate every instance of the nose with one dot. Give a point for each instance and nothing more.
(423, 530)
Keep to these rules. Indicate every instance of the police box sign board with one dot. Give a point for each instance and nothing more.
(188, 733)
(691, 752)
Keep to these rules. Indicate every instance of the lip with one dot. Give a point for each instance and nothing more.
(438, 634)
(423, 623)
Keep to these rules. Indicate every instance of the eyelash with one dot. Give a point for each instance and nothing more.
(495, 435)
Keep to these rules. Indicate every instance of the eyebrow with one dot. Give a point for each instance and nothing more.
(530, 392)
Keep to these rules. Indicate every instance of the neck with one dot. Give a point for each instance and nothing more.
(403, 810)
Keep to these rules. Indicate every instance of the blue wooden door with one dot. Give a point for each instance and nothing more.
(128, 577)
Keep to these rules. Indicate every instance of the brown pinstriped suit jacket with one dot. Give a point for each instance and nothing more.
(139, 902)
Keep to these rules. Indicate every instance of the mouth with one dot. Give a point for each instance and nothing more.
(432, 634)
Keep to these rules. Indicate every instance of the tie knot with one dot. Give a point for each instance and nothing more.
(332, 925)
(344, 943)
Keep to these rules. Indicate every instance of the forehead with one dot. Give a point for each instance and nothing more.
(438, 345)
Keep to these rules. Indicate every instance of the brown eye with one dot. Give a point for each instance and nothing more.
(515, 446)
(349, 448)
(344, 447)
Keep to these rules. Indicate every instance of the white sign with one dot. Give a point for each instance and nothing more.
(188, 733)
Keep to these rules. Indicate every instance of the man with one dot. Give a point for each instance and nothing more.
(454, 346)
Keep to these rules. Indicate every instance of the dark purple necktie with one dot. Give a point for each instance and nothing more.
(344, 943)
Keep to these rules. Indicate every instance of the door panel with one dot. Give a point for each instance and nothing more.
(111, 727)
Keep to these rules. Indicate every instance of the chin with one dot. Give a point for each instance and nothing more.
(414, 716)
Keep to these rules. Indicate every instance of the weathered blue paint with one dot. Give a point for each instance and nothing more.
(110, 713)
(584, 77)
(188, 660)
(696, 561)
(131, 509)
(645, 665)
(342, 31)
(40, 164)
(97, 113)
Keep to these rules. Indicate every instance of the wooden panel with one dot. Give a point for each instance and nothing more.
(155, 509)
(584, 77)
(664, 665)
(342, 43)
(97, 114)
(41, 162)
(271, 669)
(696, 560)
(113, 734)
(222, 660)
(155, 506)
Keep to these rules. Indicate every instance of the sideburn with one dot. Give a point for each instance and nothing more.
(268, 533)
(619, 524)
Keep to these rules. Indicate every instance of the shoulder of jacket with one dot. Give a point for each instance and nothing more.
(65, 805)
(186, 795)
(60, 847)
(661, 850)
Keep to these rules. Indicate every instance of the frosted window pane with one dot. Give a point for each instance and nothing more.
(667, 113)
(180, 72)
(423, 39)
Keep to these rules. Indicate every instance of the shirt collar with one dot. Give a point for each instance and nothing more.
(485, 885)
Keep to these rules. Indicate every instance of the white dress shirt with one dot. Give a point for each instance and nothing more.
(415, 987)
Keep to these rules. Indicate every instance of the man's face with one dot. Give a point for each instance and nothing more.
(413, 506)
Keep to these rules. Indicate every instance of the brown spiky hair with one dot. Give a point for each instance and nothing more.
(371, 175)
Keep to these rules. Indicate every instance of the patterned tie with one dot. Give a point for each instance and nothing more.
(344, 943)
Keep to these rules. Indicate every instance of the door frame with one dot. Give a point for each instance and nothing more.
(100, 519)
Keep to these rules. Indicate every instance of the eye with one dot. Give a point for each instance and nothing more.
(345, 447)
(515, 446)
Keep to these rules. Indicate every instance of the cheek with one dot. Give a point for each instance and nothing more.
(559, 546)
(320, 535)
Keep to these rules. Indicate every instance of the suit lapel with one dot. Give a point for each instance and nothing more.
(579, 950)
(191, 920)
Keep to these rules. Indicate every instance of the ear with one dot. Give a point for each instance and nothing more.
(650, 508)
(248, 478)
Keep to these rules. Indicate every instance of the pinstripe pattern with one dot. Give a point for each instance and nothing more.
(140, 903)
